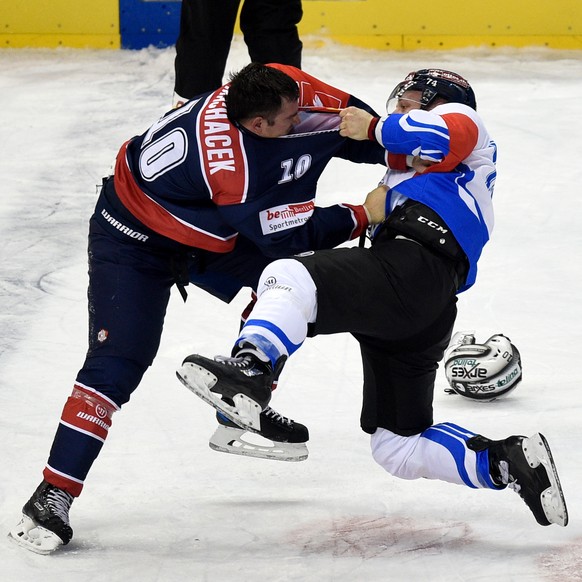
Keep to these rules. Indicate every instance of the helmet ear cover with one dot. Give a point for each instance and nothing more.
(483, 372)
(434, 83)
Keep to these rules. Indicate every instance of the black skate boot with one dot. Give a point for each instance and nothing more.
(45, 520)
(245, 381)
(287, 438)
(279, 428)
(526, 465)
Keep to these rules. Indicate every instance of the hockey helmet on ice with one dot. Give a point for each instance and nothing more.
(435, 83)
(482, 372)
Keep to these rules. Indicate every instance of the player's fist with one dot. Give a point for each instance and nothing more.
(375, 204)
(355, 123)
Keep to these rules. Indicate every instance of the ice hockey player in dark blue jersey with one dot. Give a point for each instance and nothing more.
(209, 195)
(201, 180)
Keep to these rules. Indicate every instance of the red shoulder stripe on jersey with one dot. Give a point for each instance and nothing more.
(463, 134)
(221, 152)
(158, 218)
(312, 91)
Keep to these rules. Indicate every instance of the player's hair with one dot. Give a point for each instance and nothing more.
(258, 90)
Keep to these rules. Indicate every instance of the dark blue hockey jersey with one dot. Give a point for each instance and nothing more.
(198, 179)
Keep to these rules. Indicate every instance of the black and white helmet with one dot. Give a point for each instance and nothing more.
(435, 83)
(485, 371)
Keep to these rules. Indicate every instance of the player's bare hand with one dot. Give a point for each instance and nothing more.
(375, 204)
(419, 165)
(355, 123)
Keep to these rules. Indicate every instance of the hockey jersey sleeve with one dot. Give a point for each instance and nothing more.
(364, 152)
(276, 233)
(316, 93)
(446, 137)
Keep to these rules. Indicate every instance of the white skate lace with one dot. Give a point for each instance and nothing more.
(60, 502)
(269, 412)
(238, 362)
(506, 477)
(514, 486)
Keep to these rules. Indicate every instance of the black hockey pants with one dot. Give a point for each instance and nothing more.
(398, 299)
(206, 30)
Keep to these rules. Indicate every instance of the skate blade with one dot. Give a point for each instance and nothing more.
(245, 412)
(236, 442)
(34, 538)
(537, 451)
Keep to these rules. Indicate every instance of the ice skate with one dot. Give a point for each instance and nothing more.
(282, 439)
(526, 465)
(239, 387)
(44, 526)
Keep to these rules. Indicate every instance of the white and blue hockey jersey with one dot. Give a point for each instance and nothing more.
(459, 186)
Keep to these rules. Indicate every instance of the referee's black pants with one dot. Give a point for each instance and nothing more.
(206, 30)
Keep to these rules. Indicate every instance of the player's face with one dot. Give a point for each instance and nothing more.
(284, 121)
(407, 102)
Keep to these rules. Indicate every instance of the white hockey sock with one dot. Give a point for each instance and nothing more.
(439, 452)
(287, 302)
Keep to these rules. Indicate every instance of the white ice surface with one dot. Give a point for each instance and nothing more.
(159, 505)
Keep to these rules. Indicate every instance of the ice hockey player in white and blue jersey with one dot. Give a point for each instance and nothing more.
(398, 298)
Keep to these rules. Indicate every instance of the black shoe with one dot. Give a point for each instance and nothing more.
(526, 465)
(238, 387)
(275, 427)
(45, 520)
